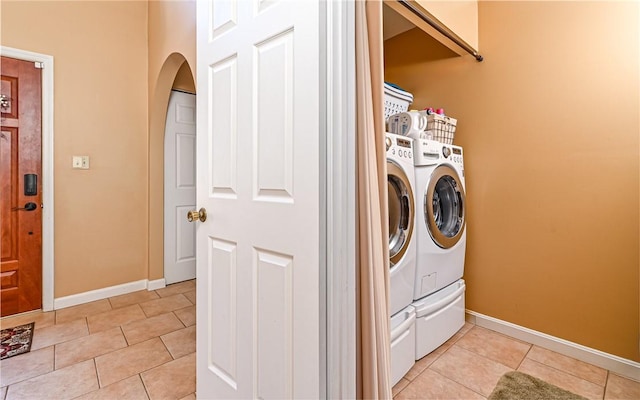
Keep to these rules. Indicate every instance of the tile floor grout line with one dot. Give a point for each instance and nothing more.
(176, 315)
(525, 356)
(166, 348)
(95, 366)
(606, 383)
(54, 357)
(144, 386)
(124, 336)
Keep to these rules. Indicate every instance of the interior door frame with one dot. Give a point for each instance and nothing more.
(47, 168)
(338, 176)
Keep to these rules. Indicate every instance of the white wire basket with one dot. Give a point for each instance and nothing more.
(442, 127)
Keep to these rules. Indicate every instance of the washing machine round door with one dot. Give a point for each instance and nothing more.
(401, 212)
(444, 207)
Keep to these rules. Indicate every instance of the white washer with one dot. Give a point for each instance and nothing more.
(402, 216)
(440, 220)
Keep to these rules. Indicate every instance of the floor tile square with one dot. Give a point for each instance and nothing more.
(562, 379)
(115, 318)
(88, 347)
(132, 298)
(42, 319)
(495, 346)
(173, 289)
(432, 385)
(172, 380)
(132, 360)
(139, 331)
(82, 310)
(59, 333)
(191, 396)
(66, 383)
(621, 388)
(569, 365)
(477, 373)
(164, 305)
(26, 366)
(181, 342)
(127, 389)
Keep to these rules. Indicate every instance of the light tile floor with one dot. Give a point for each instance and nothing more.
(135, 346)
(142, 346)
(469, 365)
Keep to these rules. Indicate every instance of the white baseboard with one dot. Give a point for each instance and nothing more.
(99, 294)
(621, 366)
(156, 284)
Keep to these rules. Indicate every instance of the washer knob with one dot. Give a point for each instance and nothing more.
(388, 142)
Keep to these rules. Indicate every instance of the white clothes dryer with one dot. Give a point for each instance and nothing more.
(440, 222)
(402, 216)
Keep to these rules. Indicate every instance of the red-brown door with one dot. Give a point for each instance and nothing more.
(21, 185)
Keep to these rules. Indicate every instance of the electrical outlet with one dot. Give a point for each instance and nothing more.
(80, 162)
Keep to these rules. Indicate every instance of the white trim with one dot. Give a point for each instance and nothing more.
(621, 366)
(104, 293)
(47, 169)
(339, 202)
(156, 284)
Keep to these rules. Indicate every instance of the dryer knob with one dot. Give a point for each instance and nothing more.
(388, 142)
(446, 152)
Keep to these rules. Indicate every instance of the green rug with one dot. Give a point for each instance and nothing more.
(515, 385)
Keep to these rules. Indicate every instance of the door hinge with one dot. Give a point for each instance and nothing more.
(39, 65)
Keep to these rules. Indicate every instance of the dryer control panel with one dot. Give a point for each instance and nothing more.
(456, 155)
(399, 146)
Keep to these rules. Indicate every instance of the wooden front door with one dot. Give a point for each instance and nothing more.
(21, 186)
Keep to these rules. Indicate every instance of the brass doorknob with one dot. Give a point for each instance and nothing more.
(197, 215)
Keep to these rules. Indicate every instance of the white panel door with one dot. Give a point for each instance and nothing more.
(258, 288)
(179, 188)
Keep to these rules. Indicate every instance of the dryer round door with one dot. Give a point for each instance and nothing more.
(444, 206)
(401, 212)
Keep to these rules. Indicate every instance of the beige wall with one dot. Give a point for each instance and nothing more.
(115, 63)
(172, 41)
(184, 80)
(550, 123)
(100, 64)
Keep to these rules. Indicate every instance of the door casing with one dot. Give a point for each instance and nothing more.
(47, 168)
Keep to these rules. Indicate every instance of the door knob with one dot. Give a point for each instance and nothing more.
(197, 215)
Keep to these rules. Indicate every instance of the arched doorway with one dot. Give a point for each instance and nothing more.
(175, 71)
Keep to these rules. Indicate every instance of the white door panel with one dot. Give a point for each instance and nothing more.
(258, 177)
(179, 188)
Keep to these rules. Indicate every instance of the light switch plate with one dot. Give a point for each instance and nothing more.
(80, 162)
